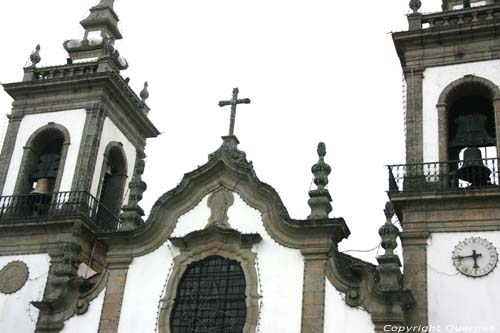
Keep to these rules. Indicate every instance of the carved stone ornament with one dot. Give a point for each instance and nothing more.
(219, 202)
(415, 5)
(320, 197)
(13, 276)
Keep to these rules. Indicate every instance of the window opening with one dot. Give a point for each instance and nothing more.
(210, 298)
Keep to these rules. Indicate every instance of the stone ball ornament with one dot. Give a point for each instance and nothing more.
(475, 257)
(13, 276)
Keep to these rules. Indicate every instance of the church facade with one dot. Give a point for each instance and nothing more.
(219, 252)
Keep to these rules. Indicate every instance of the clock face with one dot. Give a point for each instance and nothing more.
(475, 257)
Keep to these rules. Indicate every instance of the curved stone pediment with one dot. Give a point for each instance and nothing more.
(227, 169)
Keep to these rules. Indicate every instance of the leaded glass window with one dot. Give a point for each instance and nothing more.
(210, 298)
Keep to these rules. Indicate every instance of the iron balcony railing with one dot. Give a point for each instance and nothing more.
(59, 205)
(443, 176)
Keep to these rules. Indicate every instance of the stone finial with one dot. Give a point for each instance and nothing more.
(131, 216)
(389, 263)
(321, 170)
(388, 232)
(35, 56)
(144, 92)
(103, 18)
(415, 5)
(320, 197)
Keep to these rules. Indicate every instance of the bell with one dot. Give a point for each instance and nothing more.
(42, 186)
(473, 170)
(471, 131)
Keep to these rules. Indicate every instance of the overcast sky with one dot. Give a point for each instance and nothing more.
(316, 70)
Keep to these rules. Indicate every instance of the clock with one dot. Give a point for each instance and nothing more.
(475, 257)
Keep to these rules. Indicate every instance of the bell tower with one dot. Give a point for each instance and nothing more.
(70, 171)
(447, 195)
(77, 127)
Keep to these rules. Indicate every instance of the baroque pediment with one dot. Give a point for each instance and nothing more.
(229, 170)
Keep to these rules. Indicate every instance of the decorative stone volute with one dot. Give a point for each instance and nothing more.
(320, 197)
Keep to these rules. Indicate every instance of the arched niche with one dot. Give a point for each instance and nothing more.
(473, 101)
(113, 177)
(52, 139)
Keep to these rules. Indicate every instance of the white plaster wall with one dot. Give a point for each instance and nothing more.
(435, 80)
(340, 317)
(454, 299)
(281, 273)
(144, 287)
(89, 321)
(17, 315)
(73, 120)
(110, 132)
(195, 219)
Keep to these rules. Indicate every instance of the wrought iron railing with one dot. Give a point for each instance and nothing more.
(443, 176)
(44, 207)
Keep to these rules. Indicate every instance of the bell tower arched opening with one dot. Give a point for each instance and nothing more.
(43, 160)
(470, 121)
(467, 131)
(113, 177)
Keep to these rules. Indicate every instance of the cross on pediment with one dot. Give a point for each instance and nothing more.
(234, 102)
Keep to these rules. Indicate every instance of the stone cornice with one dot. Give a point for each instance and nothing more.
(409, 44)
(64, 90)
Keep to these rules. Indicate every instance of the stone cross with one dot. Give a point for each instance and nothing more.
(233, 102)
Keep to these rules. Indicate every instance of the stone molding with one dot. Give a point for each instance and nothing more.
(234, 175)
(214, 240)
(359, 281)
(28, 94)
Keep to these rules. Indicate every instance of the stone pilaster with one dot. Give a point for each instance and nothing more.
(313, 297)
(8, 148)
(415, 275)
(115, 287)
(414, 120)
(84, 172)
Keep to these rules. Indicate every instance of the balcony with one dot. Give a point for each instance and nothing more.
(39, 208)
(444, 176)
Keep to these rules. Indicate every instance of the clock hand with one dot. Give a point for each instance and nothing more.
(475, 256)
(471, 256)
